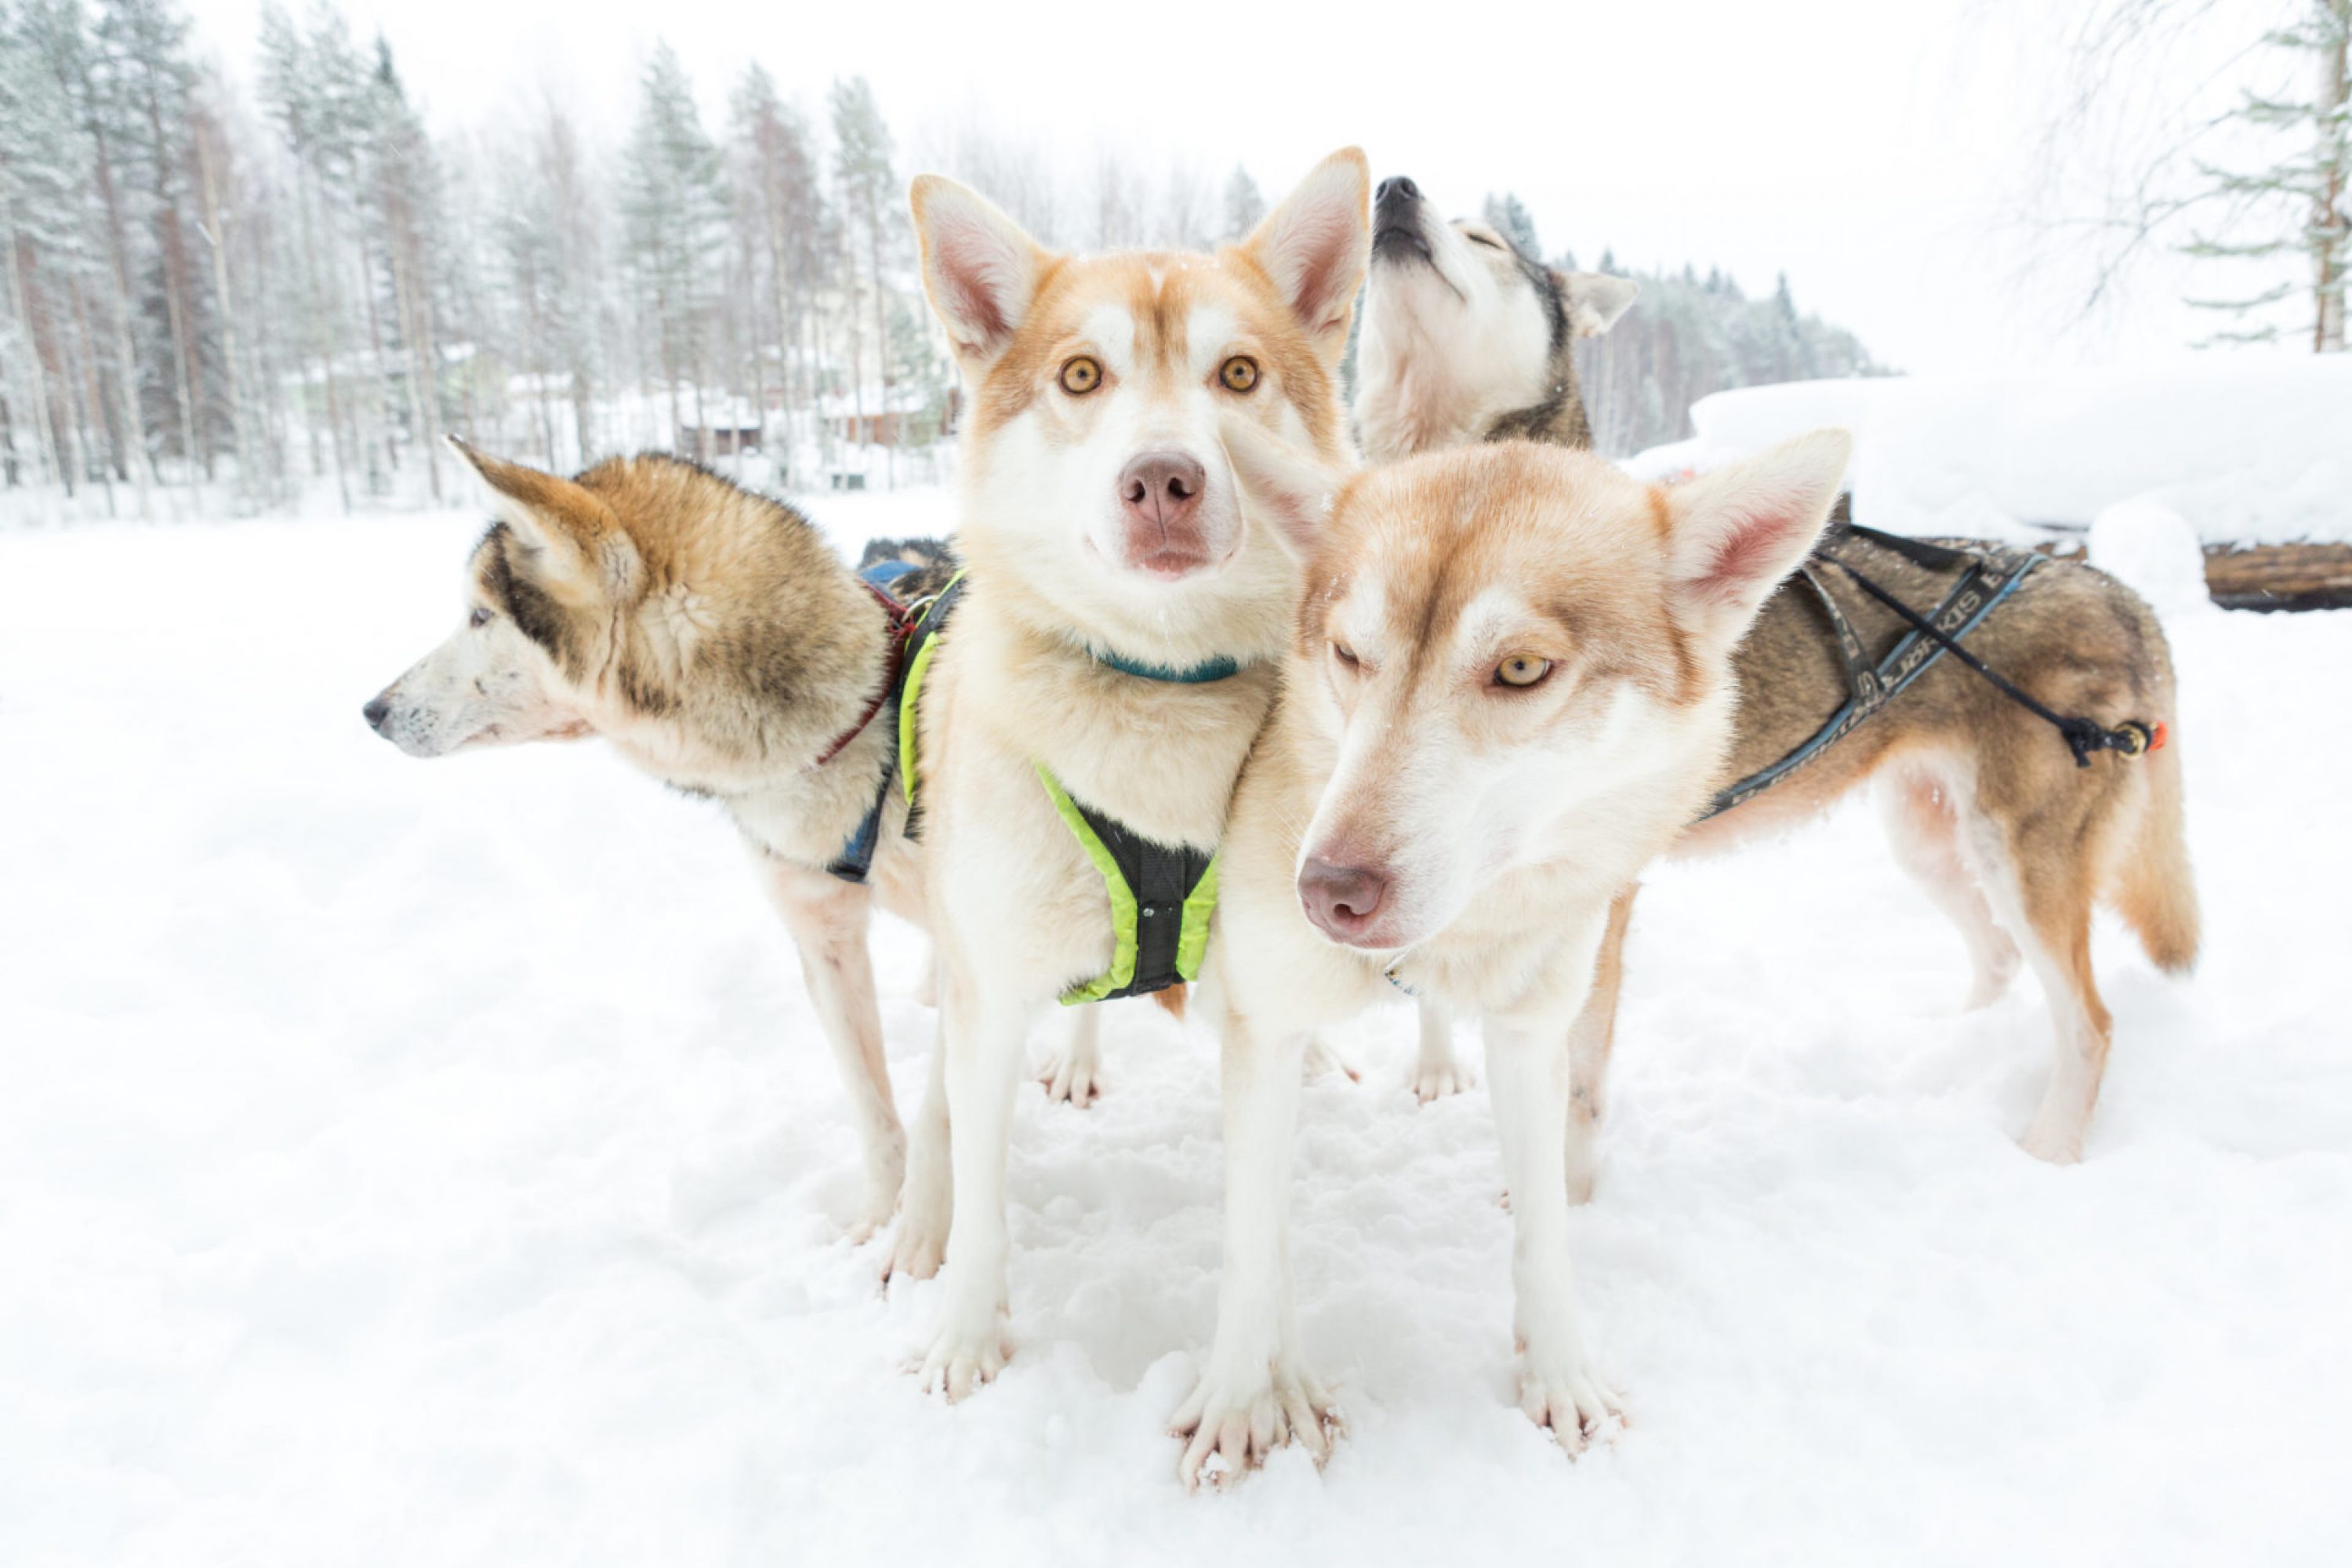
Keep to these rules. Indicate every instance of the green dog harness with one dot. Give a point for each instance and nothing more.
(1160, 900)
(1161, 896)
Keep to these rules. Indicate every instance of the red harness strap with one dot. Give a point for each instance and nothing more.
(899, 626)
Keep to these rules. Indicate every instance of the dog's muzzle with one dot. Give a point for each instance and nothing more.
(1397, 218)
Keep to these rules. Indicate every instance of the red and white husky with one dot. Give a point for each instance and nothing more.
(1105, 536)
(1510, 685)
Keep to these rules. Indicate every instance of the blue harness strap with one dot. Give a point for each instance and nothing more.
(1201, 674)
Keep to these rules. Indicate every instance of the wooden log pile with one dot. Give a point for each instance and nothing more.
(2280, 576)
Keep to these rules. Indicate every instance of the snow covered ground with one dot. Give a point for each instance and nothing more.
(421, 1164)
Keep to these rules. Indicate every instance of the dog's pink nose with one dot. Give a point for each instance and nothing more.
(1341, 899)
(1160, 497)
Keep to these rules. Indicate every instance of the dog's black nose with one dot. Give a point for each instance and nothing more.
(376, 711)
(1397, 188)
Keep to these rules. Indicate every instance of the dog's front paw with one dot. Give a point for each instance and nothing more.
(920, 1241)
(1436, 1080)
(2055, 1139)
(1072, 1077)
(916, 1250)
(963, 1358)
(1231, 1424)
(882, 1190)
(1561, 1393)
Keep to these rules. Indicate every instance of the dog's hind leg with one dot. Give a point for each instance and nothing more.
(1074, 1073)
(1437, 1071)
(2040, 876)
(828, 920)
(1590, 1040)
(1923, 825)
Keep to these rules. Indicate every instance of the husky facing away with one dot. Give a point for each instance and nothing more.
(1465, 341)
(711, 635)
(1510, 686)
(1114, 653)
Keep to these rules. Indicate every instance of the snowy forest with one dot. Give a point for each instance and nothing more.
(223, 300)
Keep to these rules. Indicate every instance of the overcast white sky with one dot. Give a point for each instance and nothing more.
(1870, 148)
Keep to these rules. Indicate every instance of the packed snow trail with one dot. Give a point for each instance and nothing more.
(417, 1163)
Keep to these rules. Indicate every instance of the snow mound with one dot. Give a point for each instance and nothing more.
(2153, 550)
(2248, 448)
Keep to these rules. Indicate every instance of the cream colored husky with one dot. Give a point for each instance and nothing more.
(1509, 686)
(1116, 646)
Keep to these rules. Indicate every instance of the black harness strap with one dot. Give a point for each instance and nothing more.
(2083, 736)
(1860, 674)
(1161, 878)
(855, 862)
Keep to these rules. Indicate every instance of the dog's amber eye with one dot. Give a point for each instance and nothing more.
(480, 618)
(1239, 374)
(1521, 670)
(1081, 375)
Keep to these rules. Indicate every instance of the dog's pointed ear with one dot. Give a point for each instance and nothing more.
(577, 548)
(1291, 489)
(1594, 299)
(1737, 533)
(1317, 245)
(980, 267)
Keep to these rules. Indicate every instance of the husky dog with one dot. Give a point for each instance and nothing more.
(714, 639)
(1509, 686)
(1463, 341)
(1466, 340)
(1114, 649)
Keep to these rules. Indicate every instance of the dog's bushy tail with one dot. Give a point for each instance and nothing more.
(2152, 887)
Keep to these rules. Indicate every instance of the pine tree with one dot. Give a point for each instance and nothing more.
(39, 174)
(779, 200)
(60, 35)
(213, 175)
(301, 86)
(870, 200)
(144, 47)
(1507, 216)
(2258, 185)
(2308, 186)
(1245, 208)
(401, 183)
(672, 207)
